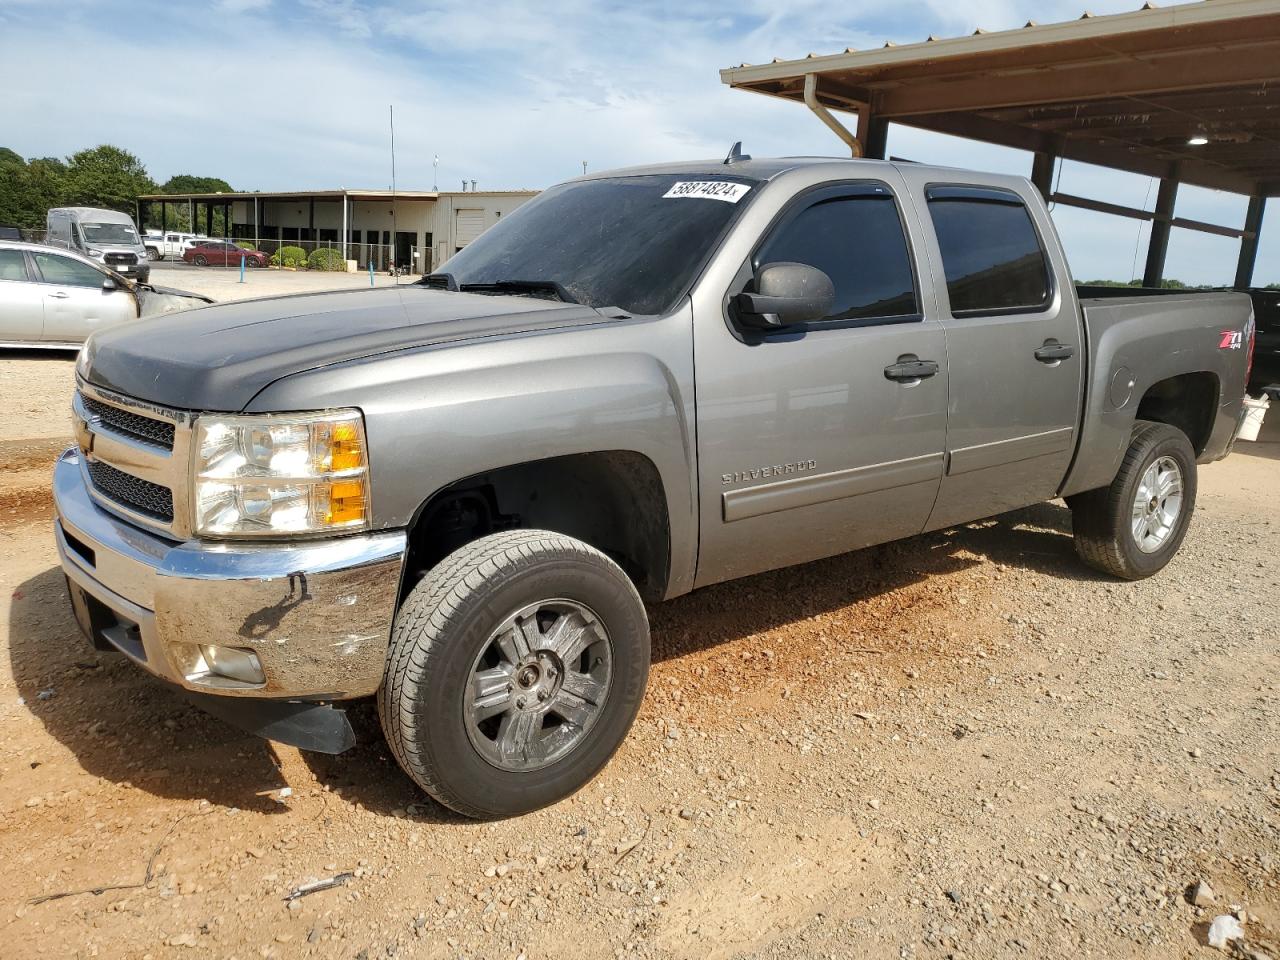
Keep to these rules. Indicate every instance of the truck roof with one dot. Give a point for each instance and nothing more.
(768, 168)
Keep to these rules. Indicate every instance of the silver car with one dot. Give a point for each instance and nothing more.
(54, 298)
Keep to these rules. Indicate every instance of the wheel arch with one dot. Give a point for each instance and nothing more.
(1188, 401)
(613, 500)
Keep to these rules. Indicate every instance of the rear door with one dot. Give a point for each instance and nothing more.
(21, 301)
(1014, 348)
(807, 447)
(75, 303)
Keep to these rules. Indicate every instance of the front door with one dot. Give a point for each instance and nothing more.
(75, 303)
(1015, 352)
(811, 441)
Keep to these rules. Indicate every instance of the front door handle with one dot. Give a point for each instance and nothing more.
(910, 368)
(59, 295)
(1055, 352)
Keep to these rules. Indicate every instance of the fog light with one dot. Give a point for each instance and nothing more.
(208, 663)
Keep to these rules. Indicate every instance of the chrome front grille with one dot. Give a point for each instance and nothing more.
(130, 424)
(135, 457)
(134, 492)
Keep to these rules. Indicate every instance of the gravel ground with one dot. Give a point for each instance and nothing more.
(961, 745)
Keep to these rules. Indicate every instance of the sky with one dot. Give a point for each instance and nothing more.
(295, 94)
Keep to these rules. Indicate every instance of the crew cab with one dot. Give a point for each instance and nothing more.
(459, 495)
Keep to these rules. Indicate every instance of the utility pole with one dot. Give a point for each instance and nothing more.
(435, 174)
(584, 168)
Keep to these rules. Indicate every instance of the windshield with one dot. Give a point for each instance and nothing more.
(109, 233)
(629, 242)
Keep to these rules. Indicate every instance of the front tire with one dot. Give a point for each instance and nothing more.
(516, 668)
(200, 260)
(153, 254)
(1132, 528)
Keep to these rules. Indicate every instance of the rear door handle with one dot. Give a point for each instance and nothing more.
(1055, 352)
(910, 368)
(60, 295)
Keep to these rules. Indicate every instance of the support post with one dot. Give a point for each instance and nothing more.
(257, 227)
(1158, 246)
(164, 216)
(1249, 244)
(208, 219)
(876, 138)
(1042, 173)
(346, 233)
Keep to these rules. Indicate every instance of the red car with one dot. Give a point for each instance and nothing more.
(223, 253)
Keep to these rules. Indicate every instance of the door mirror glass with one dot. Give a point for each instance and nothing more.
(786, 294)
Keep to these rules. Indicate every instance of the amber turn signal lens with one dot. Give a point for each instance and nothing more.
(345, 449)
(346, 502)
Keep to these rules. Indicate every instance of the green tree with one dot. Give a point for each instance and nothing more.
(188, 183)
(106, 176)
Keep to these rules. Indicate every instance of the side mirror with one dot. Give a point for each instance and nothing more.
(109, 284)
(786, 294)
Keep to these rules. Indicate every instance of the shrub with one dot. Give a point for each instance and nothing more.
(289, 257)
(245, 245)
(326, 258)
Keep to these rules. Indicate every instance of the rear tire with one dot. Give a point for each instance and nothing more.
(1132, 528)
(488, 650)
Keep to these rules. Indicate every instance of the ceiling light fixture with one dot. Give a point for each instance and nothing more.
(1199, 140)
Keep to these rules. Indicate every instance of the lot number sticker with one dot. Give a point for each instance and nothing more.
(708, 189)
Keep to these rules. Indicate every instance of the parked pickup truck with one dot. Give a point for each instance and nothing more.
(458, 495)
(170, 245)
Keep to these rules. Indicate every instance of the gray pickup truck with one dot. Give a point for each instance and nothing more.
(458, 495)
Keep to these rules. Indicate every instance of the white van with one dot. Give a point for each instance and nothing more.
(106, 236)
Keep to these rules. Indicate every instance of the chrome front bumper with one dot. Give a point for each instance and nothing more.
(317, 613)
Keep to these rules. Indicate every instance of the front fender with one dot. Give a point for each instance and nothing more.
(438, 415)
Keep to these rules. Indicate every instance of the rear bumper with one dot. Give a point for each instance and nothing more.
(317, 614)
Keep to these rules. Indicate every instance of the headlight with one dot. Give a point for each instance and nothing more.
(94, 253)
(264, 476)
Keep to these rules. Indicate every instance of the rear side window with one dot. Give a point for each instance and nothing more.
(991, 254)
(859, 243)
(12, 265)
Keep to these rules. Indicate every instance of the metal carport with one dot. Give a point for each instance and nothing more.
(1187, 94)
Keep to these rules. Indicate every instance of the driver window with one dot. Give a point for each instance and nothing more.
(858, 242)
(65, 271)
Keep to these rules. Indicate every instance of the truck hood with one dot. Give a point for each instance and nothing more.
(219, 357)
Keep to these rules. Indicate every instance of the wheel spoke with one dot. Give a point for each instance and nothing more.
(512, 643)
(518, 736)
(492, 693)
(584, 687)
(572, 708)
(569, 637)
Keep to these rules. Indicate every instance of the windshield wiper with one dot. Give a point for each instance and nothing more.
(518, 287)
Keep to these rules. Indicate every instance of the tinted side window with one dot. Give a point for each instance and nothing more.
(64, 270)
(991, 252)
(12, 265)
(858, 242)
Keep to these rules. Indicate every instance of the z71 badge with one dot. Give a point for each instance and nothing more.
(1231, 340)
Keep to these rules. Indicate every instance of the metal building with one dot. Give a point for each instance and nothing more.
(421, 229)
